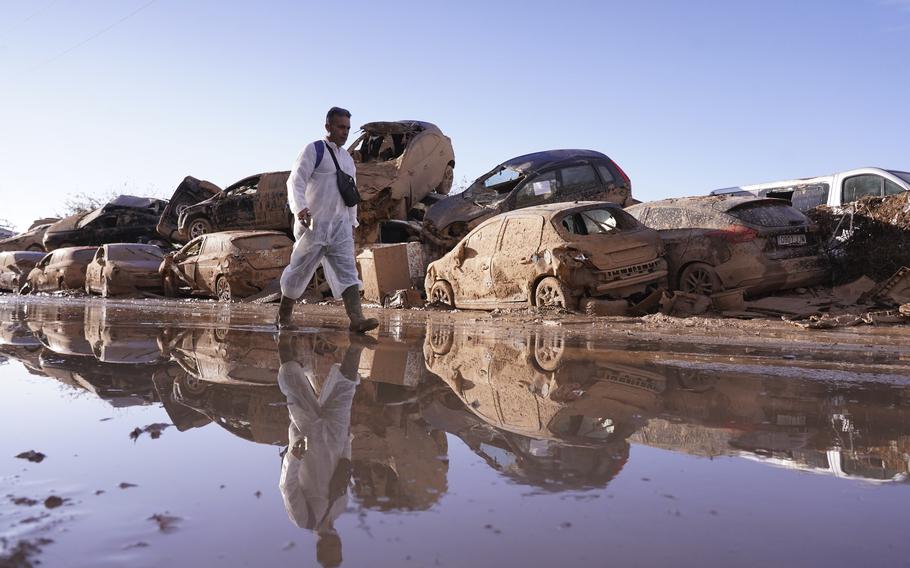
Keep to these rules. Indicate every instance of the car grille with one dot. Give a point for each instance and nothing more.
(630, 271)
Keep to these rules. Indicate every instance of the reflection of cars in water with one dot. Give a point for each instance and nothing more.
(716, 243)
(30, 240)
(227, 265)
(256, 202)
(63, 269)
(124, 269)
(14, 268)
(125, 219)
(533, 179)
(550, 255)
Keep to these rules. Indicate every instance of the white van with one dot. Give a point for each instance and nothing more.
(832, 190)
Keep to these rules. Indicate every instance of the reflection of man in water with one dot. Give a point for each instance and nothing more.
(316, 471)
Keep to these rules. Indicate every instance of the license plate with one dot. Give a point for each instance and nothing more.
(791, 240)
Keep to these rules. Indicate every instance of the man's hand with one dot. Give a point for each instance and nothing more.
(304, 217)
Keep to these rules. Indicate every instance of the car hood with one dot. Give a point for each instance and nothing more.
(452, 209)
(66, 224)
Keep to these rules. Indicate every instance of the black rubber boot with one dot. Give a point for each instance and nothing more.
(359, 324)
(286, 314)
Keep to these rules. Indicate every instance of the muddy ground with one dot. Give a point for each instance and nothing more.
(188, 433)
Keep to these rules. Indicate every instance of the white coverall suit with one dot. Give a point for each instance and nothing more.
(330, 237)
(324, 420)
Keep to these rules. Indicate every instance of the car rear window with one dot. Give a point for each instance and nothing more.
(264, 242)
(83, 255)
(134, 253)
(768, 214)
(598, 221)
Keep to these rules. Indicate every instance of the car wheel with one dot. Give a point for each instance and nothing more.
(441, 339)
(551, 292)
(441, 293)
(223, 289)
(699, 278)
(448, 178)
(548, 352)
(191, 386)
(199, 226)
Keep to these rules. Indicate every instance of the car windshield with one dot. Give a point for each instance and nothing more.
(597, 222)
(265, 242)
(89, 217)
(769, 214)
(134, 253)
(494, 187)
(903, 175)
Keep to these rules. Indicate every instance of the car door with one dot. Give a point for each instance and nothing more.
(271, 202)
(187, 261)
(512, 266)
(536, 190)
(93, 271)
(473, 282)
(237, 209)
(210, 260)
(862, 185)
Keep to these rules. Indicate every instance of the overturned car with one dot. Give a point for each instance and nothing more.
(226, 265)
(125, 219)
(125, 268)
(534, 179)
(550, 255)
(719, 242)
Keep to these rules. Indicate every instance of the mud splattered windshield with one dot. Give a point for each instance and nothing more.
(492, 188)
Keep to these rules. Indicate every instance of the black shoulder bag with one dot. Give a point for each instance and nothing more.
(346, 185)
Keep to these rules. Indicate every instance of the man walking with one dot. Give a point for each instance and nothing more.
(323, 225)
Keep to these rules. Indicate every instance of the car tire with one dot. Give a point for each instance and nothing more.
(223, 289)
(441, 293)
(198, 226)
(699, 278)
(551, 292)
(441, 339)
(191, 386)
(548, 352)
(448, 178)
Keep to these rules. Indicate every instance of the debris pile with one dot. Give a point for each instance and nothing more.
(871, 237)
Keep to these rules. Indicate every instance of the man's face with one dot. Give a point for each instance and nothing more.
(338, 128)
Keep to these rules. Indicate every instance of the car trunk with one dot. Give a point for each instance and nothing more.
(264, 252)
(608, 252)
(786, 232)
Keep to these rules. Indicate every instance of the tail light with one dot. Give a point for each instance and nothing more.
(736, 234)
(623, 174)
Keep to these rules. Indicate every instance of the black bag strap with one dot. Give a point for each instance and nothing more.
(334, 159)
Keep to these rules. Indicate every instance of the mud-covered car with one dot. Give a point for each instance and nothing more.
(256, 202)
(533, 179)
(550, 255)
(14, 268)
(126, 219)
(721, 242)
(124, 268)
(398, 165)
(63, 269)
(226, 265)
(190, 192)
(30, 240)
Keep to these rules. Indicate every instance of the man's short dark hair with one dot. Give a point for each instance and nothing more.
(337, 111)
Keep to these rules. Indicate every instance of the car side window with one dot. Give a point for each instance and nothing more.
(211, 245)
(810, 196)
(664, 218)
(483, 242)
(537, 190)
(191, 249)
(860, 186)
(577, 179)
(605, 174)
(892, 188)
(521, 234)
(106, 222)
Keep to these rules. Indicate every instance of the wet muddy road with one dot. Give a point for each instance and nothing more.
(155, 433)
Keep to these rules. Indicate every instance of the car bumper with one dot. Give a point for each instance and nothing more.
(787, 274)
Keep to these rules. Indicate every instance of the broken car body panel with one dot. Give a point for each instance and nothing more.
(124, 219)
(190, 192)
(533, 179)
(243, 261)
(720, 242)
(126, 268)
(592, 249)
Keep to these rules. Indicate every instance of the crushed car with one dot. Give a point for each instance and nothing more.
(63, 269)
(190, 192)
(722, 242)
(226, 265)
(15, 267)
(399, 164)
(550, 255)
(533, 179)
(125, 268)
(125, 219)
(30, 240)
(256, 202)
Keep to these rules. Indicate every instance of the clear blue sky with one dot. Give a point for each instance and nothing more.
(685, 96)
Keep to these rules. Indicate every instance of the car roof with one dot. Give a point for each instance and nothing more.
(399, 126)
(551, 210)
(717, 202)
(133, 201)
(538, 160)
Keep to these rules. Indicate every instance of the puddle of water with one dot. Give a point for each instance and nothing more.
(193, 435)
